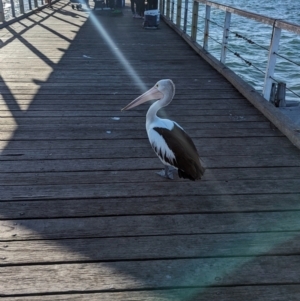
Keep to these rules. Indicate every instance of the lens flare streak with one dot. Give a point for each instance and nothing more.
(119, 55)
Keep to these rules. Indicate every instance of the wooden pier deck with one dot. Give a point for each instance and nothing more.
(83, 214)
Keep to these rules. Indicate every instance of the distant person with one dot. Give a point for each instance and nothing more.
(140, 8)
(49, 4)
(133, 5)
(152, 4)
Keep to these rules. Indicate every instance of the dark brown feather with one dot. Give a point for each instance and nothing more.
(187, 158)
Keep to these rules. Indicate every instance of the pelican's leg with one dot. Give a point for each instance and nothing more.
(168, 172)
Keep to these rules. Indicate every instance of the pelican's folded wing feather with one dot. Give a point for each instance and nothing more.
(186, 156)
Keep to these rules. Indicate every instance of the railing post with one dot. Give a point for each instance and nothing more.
(206, 27)
(168, 9)
(2, 19)
(178, 16)
(13, 11)
(29, 4)
(162, 7)
(280, 95)
(186, 7)
(195, 21)
(273, 94)
(271, 62)
(172, 11)
(22, 10)
(225, 36)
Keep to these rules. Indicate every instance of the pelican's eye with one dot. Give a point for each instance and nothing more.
(156, 85)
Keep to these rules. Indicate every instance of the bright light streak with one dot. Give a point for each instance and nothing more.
(131, 72)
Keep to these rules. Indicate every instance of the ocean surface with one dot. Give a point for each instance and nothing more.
(255, 50)
(252, 43)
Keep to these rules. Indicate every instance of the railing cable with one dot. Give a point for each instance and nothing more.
(287, 59)
(287, 88)
(244, 60)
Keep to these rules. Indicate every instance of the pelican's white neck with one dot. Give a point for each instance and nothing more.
(151, 116)
(168, 92)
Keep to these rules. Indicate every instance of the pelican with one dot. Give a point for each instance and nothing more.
(168, 139)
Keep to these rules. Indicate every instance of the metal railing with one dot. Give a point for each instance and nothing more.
(10, 10)
(195, 19)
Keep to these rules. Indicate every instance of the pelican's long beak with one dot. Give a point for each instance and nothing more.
(152, 94)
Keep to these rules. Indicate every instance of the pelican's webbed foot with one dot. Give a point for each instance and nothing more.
(168, 172)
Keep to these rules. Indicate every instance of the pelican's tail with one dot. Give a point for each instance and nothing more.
(195, 173)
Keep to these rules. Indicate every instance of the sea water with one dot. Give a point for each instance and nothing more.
(253, 41)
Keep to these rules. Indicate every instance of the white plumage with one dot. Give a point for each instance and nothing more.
(157, 142)
(160, 147)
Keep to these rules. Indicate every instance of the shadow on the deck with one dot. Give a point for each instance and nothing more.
(83, 213)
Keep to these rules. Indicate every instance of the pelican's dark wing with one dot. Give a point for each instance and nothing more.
(186, 156)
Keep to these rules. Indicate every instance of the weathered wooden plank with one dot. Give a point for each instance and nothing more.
(94, 120)
(206, 96)
(245, 293)
(96, 113)
(93, 133)
(198, 101)
(138, 151)
(129, 143)
(56, 54)
(41, 42)
(94, 75)
(160, 188)
(23, 208)
(141, 163)
(79, 63)
(233, 115)
(91, 83)
(108, 103)
(229, 93)
(145, 248)
(95, 85)
(108, 107)
(85, 77)
(94, 90)
(93, 177)
(93, 53)
(183, 273)
(123, 124)
(149, 225)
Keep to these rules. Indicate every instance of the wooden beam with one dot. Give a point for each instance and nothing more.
(157, 274)
(149, 248)
(245, 293)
